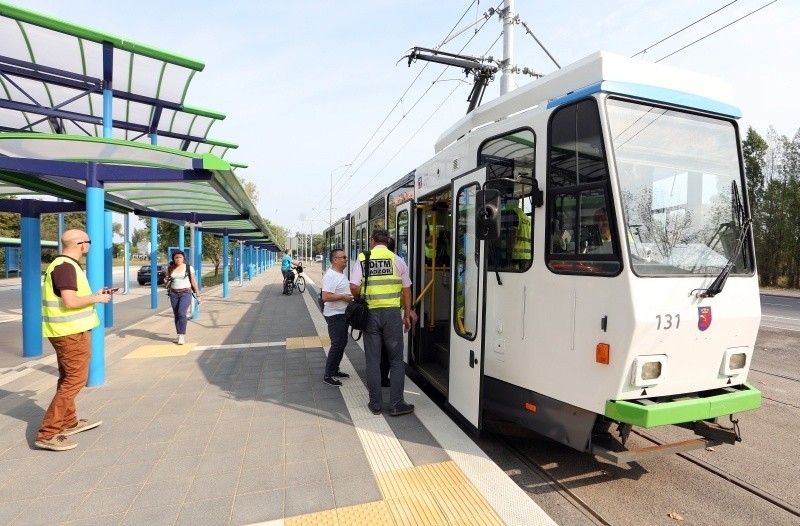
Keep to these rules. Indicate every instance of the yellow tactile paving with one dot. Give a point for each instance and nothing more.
(307, 342)
(441, 475)
(400, 483)
(369, 514)
(161, 351)
(460, 502)
(424, 495)
(322, 518)
(416, 509)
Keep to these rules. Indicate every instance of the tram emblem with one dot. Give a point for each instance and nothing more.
(703, 318)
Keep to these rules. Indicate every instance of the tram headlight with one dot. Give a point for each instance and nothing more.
(735, 360)
(648, 370)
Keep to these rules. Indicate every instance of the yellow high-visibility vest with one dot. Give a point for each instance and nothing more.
(522, 245)
(58, 320)
(384, 284)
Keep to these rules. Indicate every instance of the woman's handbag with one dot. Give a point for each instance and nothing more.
(357, 312)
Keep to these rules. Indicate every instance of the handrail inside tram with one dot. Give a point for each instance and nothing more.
(421, 294)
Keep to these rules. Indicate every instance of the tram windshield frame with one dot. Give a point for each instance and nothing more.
(679, 177)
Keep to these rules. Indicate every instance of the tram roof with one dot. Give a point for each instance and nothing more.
(52, 75)
(607, 72)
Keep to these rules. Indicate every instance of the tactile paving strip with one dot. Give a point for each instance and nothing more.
(423, 495)
(307, 342)
(160, 351)
(469, 490)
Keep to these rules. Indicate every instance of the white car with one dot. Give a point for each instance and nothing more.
(318, 257)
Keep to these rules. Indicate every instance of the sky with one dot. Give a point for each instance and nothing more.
(319, 91)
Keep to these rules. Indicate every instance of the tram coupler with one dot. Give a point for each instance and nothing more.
(713, 431)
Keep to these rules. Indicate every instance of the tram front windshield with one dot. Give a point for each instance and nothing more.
(680, 188)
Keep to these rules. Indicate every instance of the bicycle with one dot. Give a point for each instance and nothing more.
(296, 280)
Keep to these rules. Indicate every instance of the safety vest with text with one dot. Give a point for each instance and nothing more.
(57, 319)
(384, 284)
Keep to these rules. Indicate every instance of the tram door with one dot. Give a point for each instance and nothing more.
(467, 291)
(402, 239)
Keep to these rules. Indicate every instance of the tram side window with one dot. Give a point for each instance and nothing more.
(509, 161)
(401, 241)
(581, 237)
(467, 278)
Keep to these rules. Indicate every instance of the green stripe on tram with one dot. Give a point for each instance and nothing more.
(746, 398)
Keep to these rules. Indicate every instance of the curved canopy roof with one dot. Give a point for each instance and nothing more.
(52, 77)
(147, 180)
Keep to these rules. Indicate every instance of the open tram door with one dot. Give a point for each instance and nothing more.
(467, 288)
(402, 236)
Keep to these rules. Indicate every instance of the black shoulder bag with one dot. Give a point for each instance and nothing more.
(357, 312)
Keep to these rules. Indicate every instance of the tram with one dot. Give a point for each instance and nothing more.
(582, 258)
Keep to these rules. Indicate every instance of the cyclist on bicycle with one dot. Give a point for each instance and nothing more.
(287, 268)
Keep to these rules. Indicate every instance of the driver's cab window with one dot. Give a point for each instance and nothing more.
(581, 235)
(509, 161)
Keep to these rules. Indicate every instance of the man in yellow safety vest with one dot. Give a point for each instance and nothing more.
(68, 317)
(387, 287)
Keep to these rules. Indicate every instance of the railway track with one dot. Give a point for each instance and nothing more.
(778, 375)
(596, 516)
(721, 473)
(591, 513)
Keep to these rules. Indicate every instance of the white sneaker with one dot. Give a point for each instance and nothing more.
(180, 339)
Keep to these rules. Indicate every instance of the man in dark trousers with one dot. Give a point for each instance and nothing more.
(336, 295)
(68, 318)
(388, 286)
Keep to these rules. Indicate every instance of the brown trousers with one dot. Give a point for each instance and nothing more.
(73, 352)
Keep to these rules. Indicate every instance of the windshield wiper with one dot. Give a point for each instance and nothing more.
(745, 222)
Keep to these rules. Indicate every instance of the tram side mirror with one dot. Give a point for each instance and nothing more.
(487, 214)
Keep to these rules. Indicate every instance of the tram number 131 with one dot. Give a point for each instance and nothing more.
(667, 321)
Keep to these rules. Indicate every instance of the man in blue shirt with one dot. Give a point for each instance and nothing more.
(286, 266)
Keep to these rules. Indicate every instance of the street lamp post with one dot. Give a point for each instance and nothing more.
(330, 207)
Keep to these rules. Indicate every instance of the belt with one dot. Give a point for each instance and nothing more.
(180, 291)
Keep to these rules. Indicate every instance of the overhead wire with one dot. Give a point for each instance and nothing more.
(419, 99)
(682, 29)
(398, 103)
(717, 30)
(348, 174)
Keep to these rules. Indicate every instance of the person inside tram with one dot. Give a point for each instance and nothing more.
(601, 220)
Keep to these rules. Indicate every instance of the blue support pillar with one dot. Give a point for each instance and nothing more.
(198, 266)
(225, 293)
(30, 236)
(153, 263)
(95, 201)
(108, 256)
(126, 272)
(181, 239)
(241, 264)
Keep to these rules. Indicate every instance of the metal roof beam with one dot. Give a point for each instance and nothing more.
(59, 77)
(192, 217)
(121, 173)
(18, 206)
(231, 230)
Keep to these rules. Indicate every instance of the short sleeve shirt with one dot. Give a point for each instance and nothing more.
(286, 262)
(335, 283)
(64, 277)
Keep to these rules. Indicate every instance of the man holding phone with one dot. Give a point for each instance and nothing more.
(68, 317)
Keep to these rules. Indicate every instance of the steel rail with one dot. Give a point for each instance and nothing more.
(772, 499)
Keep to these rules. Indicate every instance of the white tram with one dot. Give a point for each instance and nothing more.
(582, 256)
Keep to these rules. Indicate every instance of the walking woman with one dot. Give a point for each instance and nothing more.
(181, 287)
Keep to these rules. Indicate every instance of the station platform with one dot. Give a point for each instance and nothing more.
(237, 427)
